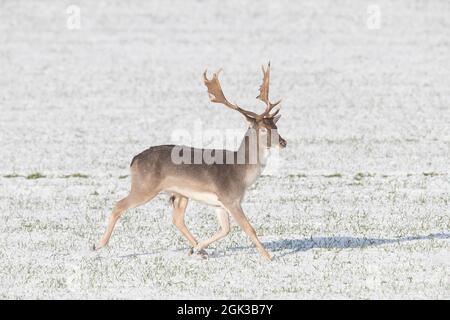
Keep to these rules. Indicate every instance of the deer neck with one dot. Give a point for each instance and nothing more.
(255, 155)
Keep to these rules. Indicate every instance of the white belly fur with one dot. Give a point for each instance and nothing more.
(205, 197)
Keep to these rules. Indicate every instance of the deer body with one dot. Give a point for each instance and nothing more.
(221, 184)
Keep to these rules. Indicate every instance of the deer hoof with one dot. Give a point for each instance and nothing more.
(202, 253)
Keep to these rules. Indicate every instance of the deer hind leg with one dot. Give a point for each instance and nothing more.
(238, 215)
(179, 204)
(224, 222)
(133, 200)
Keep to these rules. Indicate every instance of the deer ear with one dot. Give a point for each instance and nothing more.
(275, 119)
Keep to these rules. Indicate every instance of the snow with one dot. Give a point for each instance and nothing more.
(357, 205)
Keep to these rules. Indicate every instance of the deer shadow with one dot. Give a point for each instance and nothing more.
(299, 245)
(339, 242)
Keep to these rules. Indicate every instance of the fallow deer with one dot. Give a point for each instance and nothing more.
(219, 184)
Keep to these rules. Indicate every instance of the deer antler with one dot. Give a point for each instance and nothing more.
(264, 94)
(216, 95)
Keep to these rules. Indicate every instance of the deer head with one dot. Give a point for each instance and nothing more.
(265, 122)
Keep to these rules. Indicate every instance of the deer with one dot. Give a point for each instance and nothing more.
(219, 184)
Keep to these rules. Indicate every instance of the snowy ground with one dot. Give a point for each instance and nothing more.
(358, 207)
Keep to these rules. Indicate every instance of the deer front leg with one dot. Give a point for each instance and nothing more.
(179, 208)
(224, 222)
(238, 215)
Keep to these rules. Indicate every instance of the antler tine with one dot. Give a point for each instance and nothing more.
(264, 93)
(264, 87)
(275, 113)
(216, 94)
(269, 108)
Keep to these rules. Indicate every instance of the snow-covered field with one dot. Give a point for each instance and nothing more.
(358, 206)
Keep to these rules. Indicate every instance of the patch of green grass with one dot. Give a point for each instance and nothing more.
(95, 193)
(123, 177)
(422, 199)
(430, 174)
(360, 175)
(333, 175)
(76, 175)
(12, 175)
(297, 175)
(355, 184)
(36, 175)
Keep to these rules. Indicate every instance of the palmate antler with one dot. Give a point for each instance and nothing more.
(216, 95)
(264, 94)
